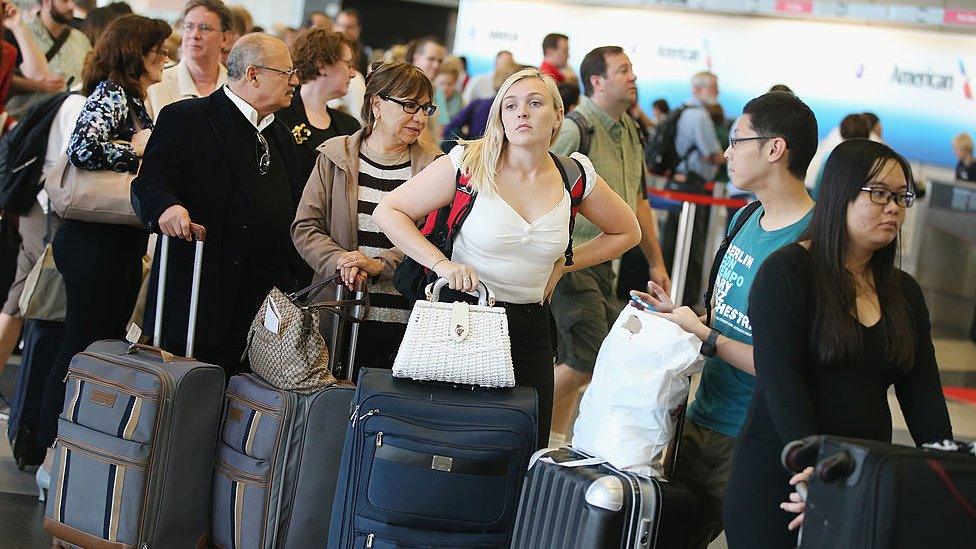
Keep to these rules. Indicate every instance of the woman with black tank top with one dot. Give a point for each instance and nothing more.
(835, 324)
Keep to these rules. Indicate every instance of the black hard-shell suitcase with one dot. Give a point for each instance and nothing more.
(570, 501)
(874, 495)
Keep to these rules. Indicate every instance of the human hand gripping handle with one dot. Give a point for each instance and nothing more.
(354, 268)
(459, 277)
(175, 222)
(798, 498)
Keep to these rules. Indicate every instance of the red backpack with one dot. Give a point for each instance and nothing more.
(442, 226)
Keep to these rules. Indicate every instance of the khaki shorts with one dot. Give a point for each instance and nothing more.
(33, 228)
(584, 307)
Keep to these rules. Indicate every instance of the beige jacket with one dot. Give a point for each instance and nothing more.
(327, 223)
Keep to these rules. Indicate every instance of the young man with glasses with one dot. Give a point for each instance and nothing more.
(199, 72)
(224, 169)
(769, 150)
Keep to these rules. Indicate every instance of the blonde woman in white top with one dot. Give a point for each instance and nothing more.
(517, 231)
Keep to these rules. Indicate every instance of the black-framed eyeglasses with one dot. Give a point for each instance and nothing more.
(734, 140)
(286, 73)
(411, 107)
(883, 197)
(263, 155)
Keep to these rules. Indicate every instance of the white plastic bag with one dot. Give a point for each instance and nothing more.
(627, 415)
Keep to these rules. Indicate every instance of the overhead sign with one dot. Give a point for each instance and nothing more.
(917, 81)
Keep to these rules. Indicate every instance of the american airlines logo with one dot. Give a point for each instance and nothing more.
(923, 79)
(682, 54)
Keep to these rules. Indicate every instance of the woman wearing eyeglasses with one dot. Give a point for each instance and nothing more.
(835, 324)
(102, 263)
(334, 228)
(324, 62)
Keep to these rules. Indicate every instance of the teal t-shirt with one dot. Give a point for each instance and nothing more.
(725, 391)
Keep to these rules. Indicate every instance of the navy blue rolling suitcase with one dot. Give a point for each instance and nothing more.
(431, 464)
(42, 339)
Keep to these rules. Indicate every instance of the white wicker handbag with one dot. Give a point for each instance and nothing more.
(457, 342)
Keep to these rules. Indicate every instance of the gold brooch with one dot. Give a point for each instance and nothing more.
(301, 133)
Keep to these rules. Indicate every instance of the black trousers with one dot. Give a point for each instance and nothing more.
(530, 327)
(532, 332)
(102, 269)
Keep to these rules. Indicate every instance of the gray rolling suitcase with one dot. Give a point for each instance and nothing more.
(571, 502)
(133, 456)
(278, 457)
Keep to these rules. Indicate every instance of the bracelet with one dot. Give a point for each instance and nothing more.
(436, 262)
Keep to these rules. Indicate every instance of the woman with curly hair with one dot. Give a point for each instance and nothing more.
(324, 61)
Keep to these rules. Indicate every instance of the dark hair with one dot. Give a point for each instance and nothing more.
(551, 41)
(97, 21)
(780, 88)
(315, 48)
(121, 8)
(849, 167)
(395, 80)
(855, 126)
(352, 12)
(119, 55)
(781, 114)
(662, 105)
(871, 118)
(595, 64)
(570, 94)
(217, 7)
(418, 44)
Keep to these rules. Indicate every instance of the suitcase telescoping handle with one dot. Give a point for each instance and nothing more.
(194, 294)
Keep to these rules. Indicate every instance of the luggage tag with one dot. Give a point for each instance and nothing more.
(272, 320)
(134, 334)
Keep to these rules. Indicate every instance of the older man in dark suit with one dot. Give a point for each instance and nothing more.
(222, 169)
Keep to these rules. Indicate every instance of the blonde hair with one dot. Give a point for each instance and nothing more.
(451, 65)
(481, 156)
(963, 141)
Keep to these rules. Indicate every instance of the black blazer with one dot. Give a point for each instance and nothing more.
(293, 117)
(200, 155)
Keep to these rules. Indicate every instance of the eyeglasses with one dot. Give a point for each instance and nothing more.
(286, 73)
(883, 197)
(411, 107)
(263, 154)
(160, 51)
(734, 140)
(202, 27)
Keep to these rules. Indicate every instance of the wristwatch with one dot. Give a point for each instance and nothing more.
(708, 346)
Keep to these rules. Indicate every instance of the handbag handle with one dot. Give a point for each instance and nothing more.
(485, 295)
(310, 292)
(334, 306)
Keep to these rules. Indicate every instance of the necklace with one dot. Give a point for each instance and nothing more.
(400, 158)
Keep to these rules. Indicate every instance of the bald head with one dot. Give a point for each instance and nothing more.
(260, 71)
(253, 50)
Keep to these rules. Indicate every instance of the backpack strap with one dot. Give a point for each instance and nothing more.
(585, 130)
(574, 179)
(744, 216)
(443, 224)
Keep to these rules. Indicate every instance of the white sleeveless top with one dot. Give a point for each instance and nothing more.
(515, 258)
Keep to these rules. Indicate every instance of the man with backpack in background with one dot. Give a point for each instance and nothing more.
(770, 148)
(686, 149)
(584, 303)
